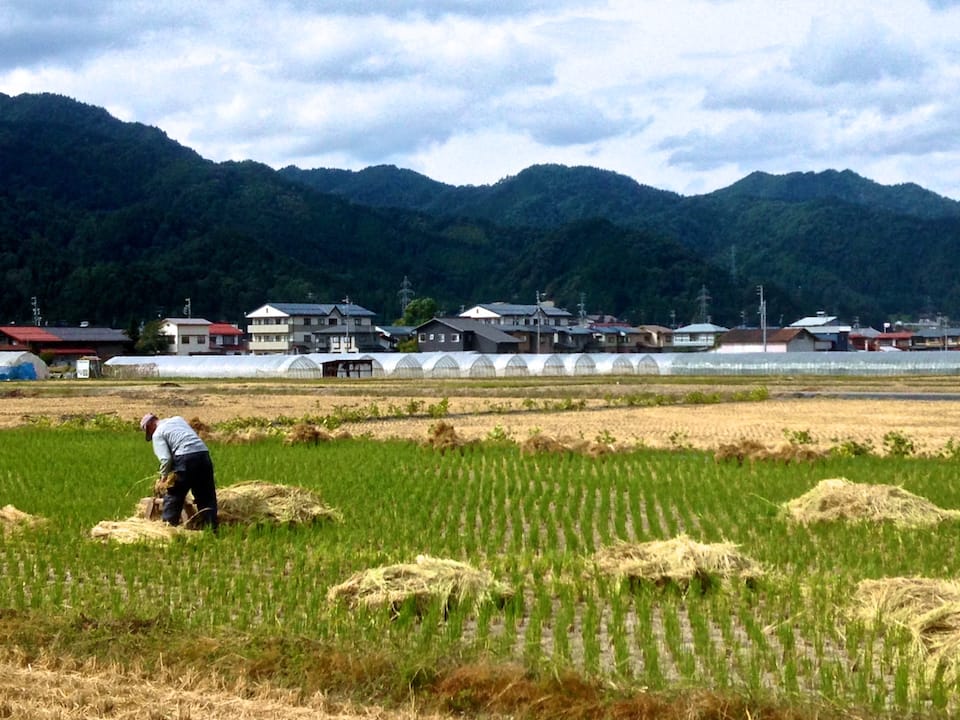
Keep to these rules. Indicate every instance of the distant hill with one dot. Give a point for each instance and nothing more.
(115, 223)
(540, 196)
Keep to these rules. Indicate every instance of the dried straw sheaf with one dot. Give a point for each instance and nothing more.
(442, 436)
(249, 503)
(677, 561)
(12, 519)
(839, 499)
(750, 450)
(306, 433)
(137, 530)
(425, 579)
(538, 443)
(928, 609)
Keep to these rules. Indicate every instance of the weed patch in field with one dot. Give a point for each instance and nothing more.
(839, 499)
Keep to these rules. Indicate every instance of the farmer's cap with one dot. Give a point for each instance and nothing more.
(146, 421)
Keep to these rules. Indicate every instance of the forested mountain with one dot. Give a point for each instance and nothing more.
(114, 223)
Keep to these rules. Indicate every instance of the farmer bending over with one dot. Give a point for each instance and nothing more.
(181, 451)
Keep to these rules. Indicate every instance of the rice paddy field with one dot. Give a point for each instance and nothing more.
(854, 615)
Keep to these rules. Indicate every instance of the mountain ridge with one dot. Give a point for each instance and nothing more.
(90, 204)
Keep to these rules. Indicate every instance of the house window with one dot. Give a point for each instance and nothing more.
(455, 337)
(422, 337)
(186, 340)
(441, 337)
(306, 321)
(202, 340)
(431, 337)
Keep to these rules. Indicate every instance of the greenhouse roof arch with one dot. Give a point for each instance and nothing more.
(614, 364)
(510, 365)
(439, 365)
(399, 365)
(474, 365)
(21, 365)
(578, 364)
(545, 365)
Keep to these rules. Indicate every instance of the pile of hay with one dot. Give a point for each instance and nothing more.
(840, 499)
(753, 450)
(243, 436)
(540, 443)
(928, 609)
(442, 436)
(136, 530)
(254, 502)
(306, 433)
(677, 561)
(425, 579)
(12, 519)
(200, 427)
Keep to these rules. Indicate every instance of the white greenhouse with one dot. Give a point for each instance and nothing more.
(475, 365)
(545, 365)
(510, 365)
(22, 366)
(213, 366)
(578, 364)
(398, 365)
(439, 365)
(614, 364)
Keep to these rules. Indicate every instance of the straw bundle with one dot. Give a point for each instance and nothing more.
(252, 502)
(442, 436)
(240, 437)
(928, 609)
(136, 530)
(306, 433)
(677, 561)
(425, 579)
(539, 443)
(840, 499)
(12, 519)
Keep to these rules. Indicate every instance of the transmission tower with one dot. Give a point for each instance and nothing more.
(405, 294)
(703, 304)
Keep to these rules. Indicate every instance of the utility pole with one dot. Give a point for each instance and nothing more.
(35, 306)
(539, 322)
(763, 317)
(582, 308)
(346, 323)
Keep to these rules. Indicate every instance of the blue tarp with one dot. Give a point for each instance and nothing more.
(22, 366)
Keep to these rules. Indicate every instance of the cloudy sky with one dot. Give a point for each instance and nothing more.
(684, 95)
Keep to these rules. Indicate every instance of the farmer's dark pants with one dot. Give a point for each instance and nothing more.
(194, 474)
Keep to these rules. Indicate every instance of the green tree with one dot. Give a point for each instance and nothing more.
(152, 341)
(418, 311)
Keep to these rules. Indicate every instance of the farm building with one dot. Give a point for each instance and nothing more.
(19, 365)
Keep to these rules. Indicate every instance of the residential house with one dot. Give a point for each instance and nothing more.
(66, 344)
(831, 334)
(392, 335)
(541, 328)
(312, 327)
(697, 336)
(778, 340)
(462, 334)
(654, 338)
(942, 338)
(227, 339)
(186, 336)
(614, 338)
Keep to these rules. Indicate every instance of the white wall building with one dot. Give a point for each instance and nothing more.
(187, 336)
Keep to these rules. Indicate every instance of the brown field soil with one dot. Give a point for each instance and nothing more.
(925, 411)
